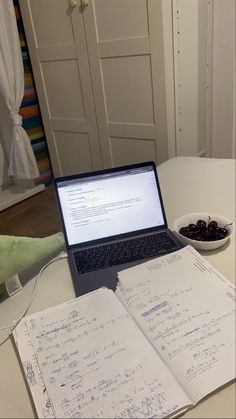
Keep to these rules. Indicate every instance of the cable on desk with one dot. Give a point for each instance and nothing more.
(15, 322)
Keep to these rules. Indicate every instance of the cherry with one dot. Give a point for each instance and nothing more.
(212, 225)
(219, 235)
(201, 225)
(183, 231)
(192, 228)
(223, 231)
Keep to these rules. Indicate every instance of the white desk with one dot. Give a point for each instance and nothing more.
(188, 185)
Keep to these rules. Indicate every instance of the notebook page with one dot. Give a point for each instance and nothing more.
(32, 371)
(187, 318)
(217, 278)
(30, 365)
(95, 362)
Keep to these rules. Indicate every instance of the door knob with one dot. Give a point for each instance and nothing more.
(83, 3)
(73, 3)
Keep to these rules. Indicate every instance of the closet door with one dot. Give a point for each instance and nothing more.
(125, 47)
(56, 39)
(99, 70)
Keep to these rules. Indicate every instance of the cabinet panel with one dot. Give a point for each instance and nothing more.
(80, 160)
(52, 23)
(129, 150)
(62, 82)
(128, 89)
(120, 19)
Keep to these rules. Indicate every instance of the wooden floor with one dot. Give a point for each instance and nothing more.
(36, 216)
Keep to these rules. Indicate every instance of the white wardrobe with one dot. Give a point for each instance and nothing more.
(121, 81)
(99, 71)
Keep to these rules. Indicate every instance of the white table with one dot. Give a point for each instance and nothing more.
(188, 185)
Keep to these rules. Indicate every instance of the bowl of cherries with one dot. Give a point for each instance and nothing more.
(203, 231)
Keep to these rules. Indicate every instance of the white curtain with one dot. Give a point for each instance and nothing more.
(22, 164)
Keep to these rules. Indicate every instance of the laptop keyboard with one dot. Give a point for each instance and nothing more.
(116, 253)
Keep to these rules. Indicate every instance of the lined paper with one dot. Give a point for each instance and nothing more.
(187, 311)
(32, 371)
(96, 363)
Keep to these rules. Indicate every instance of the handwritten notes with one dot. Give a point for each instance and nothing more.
(186, 310)
(31, 367)
(95, 362)
(163, 342)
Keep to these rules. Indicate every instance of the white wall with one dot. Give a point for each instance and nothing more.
(223, 80)
(199, 39)
(234, 111)
(186, 38)
(185, 23)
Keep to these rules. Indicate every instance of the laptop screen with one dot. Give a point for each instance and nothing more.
(109, 203)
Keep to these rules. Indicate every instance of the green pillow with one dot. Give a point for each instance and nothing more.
(20, 253)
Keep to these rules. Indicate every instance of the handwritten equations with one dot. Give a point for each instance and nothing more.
(95, 362)
(32, 371)
(152, 349)
(186, 316)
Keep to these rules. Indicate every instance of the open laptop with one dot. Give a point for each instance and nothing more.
(112, 219)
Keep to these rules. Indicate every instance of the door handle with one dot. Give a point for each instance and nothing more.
(83, 4)
(73, 3)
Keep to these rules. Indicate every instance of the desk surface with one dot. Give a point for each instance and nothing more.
(188, 184)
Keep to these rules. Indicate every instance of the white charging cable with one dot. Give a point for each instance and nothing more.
(15, 322)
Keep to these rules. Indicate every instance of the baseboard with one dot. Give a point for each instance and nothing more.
(13, 194)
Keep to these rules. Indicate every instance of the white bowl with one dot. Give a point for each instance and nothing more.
(203, 245)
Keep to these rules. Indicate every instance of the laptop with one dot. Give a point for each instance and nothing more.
(112, 219)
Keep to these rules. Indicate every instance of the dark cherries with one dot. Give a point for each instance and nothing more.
(203, 231)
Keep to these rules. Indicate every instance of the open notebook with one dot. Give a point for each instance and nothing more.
(154, 349)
